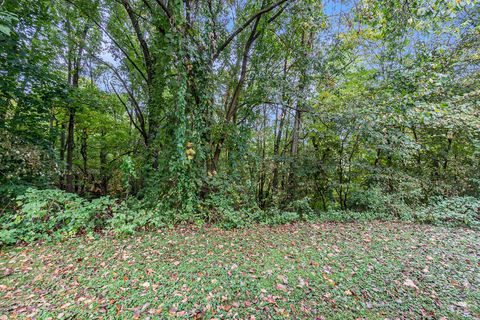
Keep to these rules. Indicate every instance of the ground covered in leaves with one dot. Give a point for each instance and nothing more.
(334, 271)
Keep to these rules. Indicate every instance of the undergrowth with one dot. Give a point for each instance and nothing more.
(53, 214)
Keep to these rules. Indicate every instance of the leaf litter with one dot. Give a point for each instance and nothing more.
(356, 270)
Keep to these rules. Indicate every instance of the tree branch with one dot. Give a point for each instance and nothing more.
(112, 39)
(147, 4)
(232, 108)
(245, 25)
(164, 8)
(134, 101)
(141, 40)
(128, 111)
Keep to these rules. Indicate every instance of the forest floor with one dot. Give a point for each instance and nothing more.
(372, 270)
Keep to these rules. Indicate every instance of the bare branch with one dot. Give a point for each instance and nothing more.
(135, 103)
(126, 109)
(164, 8)
(245, 25)
(141, 40)
(113, 40)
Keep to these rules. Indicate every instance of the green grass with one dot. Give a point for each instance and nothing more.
(371, 270)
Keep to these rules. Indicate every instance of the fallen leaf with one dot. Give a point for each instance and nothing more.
(410, 283)
(226, 308)
(329, 280)
(282, 287)
(301, 282)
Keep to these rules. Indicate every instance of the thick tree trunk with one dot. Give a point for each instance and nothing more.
(276, 149)
(296, 133)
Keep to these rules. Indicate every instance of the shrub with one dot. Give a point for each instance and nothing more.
(238, 218)
(227, 203)
(8, 193)
(456, 211)
(386, 204)
(53, 214)
(353, 216)
(275, 216)
(132, 215)
(302, 208)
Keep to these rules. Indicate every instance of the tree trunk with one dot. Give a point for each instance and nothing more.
(307, 41)
(261, 192)
(103, 171)
(231, 110)
(276, 150)
(74, 75)
(61, 182)
(294, 154)
(84, 153)
(278, 138)
(70, 149)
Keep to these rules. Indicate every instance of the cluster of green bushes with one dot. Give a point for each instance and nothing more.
(53, 214)
(455, 211)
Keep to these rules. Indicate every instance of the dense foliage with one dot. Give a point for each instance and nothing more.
(128, 114)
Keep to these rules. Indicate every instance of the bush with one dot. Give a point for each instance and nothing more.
(302, 208)
(239, 218)
(8, 193)
(353, 216)
(227, 203)
(456, 211)
(275, 216)
(132, 215)
(385, 204)
(53, 214)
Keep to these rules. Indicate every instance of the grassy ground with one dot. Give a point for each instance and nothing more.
(312, 271)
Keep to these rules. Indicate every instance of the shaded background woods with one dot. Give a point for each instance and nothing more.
(237, 110)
